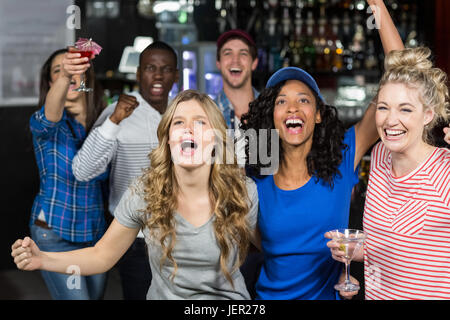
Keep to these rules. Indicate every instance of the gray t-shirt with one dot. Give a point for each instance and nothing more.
(196, 252)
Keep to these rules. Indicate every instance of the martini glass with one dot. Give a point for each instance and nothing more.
(86, 48)
(350, 241)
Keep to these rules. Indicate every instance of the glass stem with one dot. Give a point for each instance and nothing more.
(347, 271)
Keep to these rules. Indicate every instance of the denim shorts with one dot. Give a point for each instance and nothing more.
(68, 286)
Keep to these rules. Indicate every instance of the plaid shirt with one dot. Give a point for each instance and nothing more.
(227, 108)
(73, 209)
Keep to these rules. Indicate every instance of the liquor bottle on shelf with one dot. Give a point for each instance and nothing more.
(403, 28)
(273, 3)
(297, 43)
(261, 32)
(347, 30)
(331, 43)
(322, 3)
(346, 37)
(320, 43)
(358, 43)
(272, 24)
(412, 38)
(299, 4)
(287, 4)
(107, 97)
(337, 48)
(275, 61)
(310, 3)
(222, 18)
(371, 61)
(286, 53)
(346, 4)
(309, 56)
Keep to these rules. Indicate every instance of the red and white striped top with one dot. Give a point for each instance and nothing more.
(407, 219)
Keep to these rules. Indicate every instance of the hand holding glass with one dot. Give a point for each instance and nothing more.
(82, 87)
(350, 241)
(86, 48)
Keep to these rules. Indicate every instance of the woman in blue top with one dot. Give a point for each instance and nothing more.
(309, 193)
(66, 214)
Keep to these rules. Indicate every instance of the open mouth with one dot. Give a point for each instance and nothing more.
(73, 84)
(294, 125)
(235, 71)
(394, 133)
(156, 89)
(188, 146)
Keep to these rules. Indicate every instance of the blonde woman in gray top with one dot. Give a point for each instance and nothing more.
(196, 226)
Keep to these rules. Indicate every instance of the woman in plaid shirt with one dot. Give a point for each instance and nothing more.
(66, 214)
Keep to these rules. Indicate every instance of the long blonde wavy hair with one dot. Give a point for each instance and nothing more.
(227, 187)
(413, 68)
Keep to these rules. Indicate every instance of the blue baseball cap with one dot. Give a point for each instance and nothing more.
(294, 73)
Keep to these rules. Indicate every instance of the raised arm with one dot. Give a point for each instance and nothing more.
(94, 260)
(98, 259)
(365, 129)
(55, 100)
(97, 151)
(390, 38)
(100, 146)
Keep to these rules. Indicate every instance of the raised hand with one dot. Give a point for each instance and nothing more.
(73, 63)
(26, 254)
(124, 108)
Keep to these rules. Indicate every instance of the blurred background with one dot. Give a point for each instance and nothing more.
(335, 40)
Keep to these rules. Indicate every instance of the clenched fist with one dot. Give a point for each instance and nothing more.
(26, 254)
(124, 108)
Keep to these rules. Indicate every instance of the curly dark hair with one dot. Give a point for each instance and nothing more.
(325, 155)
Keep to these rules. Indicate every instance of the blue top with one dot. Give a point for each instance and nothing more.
(297, 262)
(72, 208)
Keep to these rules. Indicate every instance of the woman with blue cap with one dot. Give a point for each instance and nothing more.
(310, 191)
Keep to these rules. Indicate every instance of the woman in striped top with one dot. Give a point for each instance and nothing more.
(407, 209)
